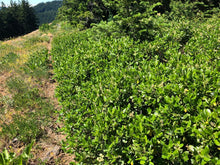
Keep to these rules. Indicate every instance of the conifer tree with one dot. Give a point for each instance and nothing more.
(16, 19)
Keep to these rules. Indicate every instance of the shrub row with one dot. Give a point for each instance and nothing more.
(155, 102)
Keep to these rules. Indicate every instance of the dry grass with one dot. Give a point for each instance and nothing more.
(24, 46)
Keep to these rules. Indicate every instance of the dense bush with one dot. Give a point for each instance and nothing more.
(134, 18)
(203, 5)
(130, 102)
(44, 27)
(193, 8)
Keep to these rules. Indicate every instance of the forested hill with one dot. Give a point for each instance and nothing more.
(46, 12)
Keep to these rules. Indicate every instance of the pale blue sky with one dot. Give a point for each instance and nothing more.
(31, 2)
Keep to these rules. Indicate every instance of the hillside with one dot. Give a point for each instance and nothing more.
(46, 12)
(114, 82)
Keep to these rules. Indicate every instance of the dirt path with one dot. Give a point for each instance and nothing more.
(48, 149)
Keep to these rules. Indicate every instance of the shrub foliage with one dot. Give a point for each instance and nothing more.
(150, 102)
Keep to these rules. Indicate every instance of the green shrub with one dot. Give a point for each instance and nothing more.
(44, 27)
(107, 28)
(193, 8)
(181, 10)
(126, 102)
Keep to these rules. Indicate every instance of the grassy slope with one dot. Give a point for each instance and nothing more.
(27, 102)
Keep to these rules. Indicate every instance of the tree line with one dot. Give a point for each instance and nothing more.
(16, 19)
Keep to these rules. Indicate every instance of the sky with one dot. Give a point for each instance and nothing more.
(31, 2)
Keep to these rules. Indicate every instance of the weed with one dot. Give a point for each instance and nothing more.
(7, 158)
